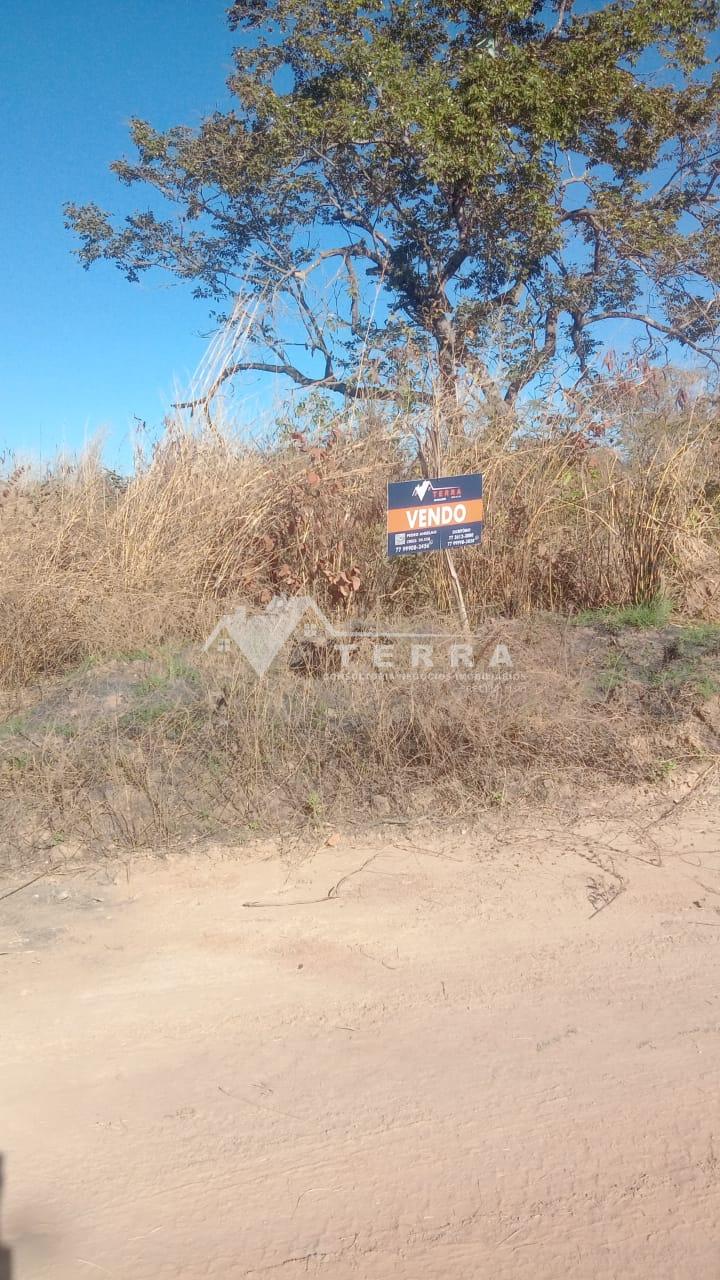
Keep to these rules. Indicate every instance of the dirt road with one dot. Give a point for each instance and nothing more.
(421, 1056)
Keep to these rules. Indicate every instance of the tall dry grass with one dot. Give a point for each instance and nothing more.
(94, 564)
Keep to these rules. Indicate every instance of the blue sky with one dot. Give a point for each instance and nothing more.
(84, 351)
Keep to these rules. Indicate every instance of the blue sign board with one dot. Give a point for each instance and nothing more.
(434, 515)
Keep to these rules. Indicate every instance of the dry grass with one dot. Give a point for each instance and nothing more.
(147, 751)
(103, 575)
(91, 565)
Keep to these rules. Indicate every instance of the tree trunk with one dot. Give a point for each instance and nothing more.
(447, 408)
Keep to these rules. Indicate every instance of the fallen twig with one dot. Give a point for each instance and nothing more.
(332, 893)
(377, 959)
(677, 804)
(606, 901)
(26, 885)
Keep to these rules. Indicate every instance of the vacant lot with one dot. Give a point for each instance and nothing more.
(413, 1055)
(162, 750)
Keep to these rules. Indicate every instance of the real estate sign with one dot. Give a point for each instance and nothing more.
(434, 515)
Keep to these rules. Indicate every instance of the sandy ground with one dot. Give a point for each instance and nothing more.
(427, 1056)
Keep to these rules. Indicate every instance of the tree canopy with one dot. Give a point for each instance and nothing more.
(485, 181)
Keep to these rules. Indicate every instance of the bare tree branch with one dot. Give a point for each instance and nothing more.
(564, 9)
(342, 386)
(669, 330)
(537, 360)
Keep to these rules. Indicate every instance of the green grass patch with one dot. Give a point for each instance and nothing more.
(702, 638)
(652, 613)
(64, 730)
(614, 672)
(664, 769)
(17, 764)
(706, 687)
(176, 669)
(151, 684)
(141, 717)
(179, 669)
(13, 725)
(315, 807)
(685, 673)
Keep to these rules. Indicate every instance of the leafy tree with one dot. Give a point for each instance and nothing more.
(474, 180)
